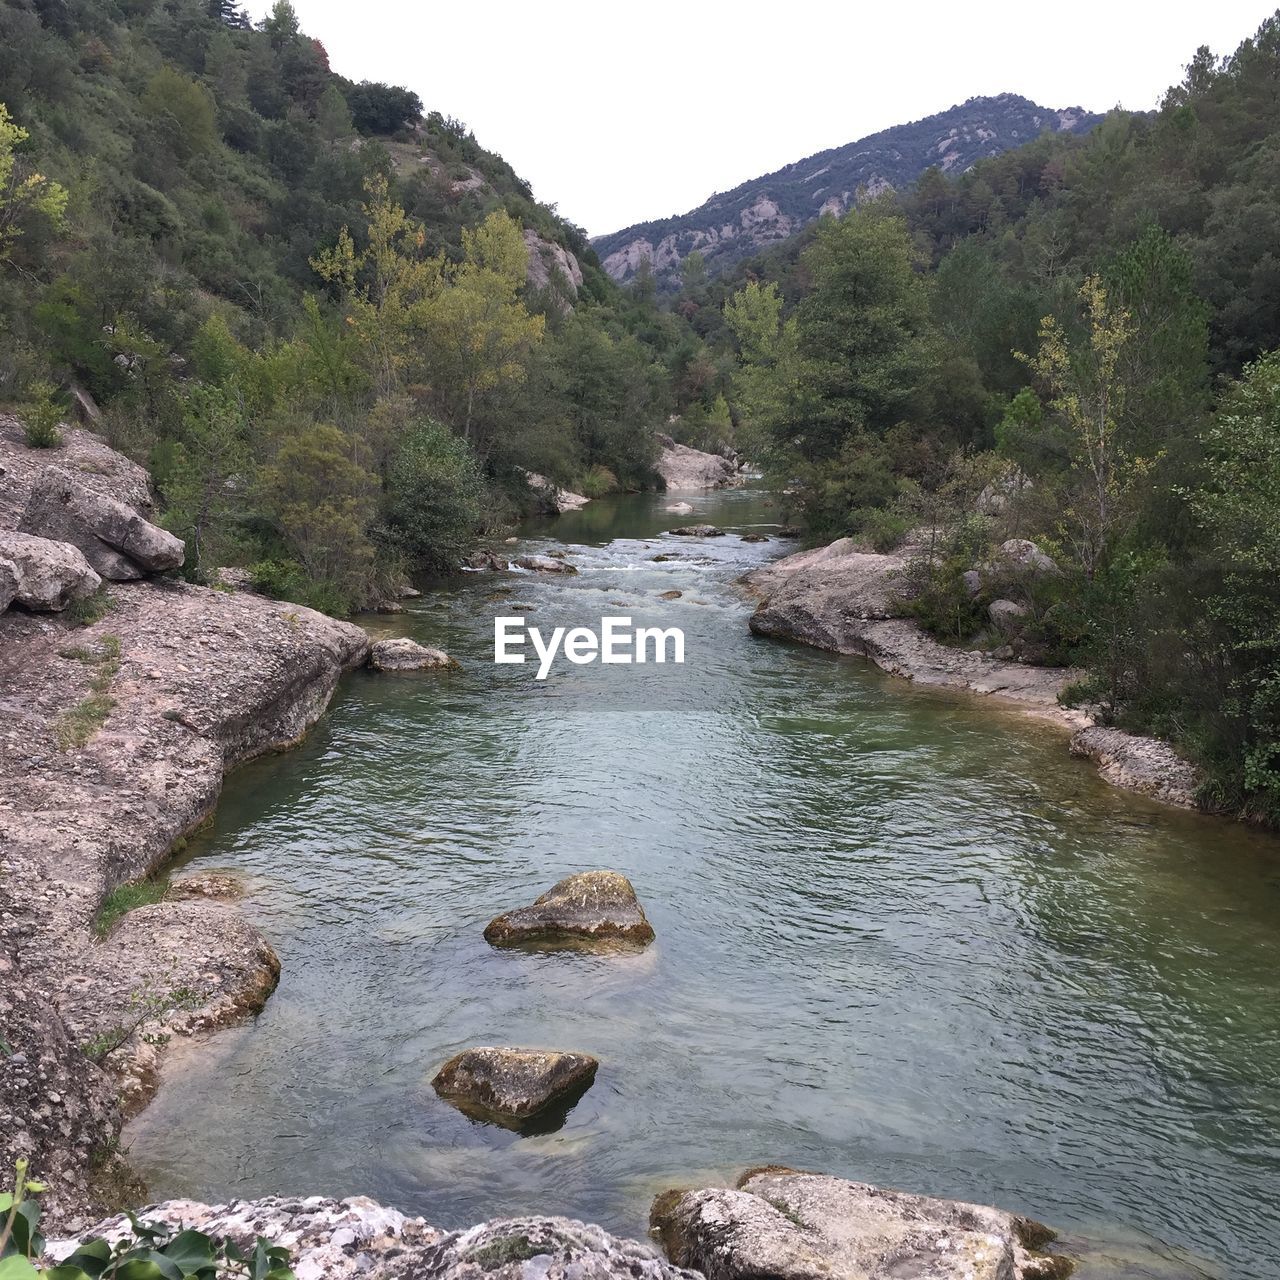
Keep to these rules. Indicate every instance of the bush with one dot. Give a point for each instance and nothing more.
(883, 529)
(434, 499)
(41, 416)
(598, 482)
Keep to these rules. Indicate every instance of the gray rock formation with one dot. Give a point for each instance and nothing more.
(786, 1225)
(593, 911)
(116, 540)
(204, 680)
(697, 531)
(357, 1237)
(49, 575)
(555, 500)
(97, 466)
(683, 468)
(512, 1086)
(403, 654)
(548, 261)
(679, 509)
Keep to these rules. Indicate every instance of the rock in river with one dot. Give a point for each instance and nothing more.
(545, 564)
(590, 911)
(698, 531)
(512, 1086)
(679, 509)
(403, 654)
(804, 1226)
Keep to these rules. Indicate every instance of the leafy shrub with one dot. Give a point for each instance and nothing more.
(41, 416)
(882, 528)
(434, 498)
(598, 482)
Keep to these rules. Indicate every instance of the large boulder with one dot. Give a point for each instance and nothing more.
(683, 468)
(403, 654)
(788, 1225)
(50, 575)
(120, 543)
(589, 911)
(1007, 615)
(554, 498)
(512, 1087)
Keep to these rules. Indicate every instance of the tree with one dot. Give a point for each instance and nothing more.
(333, 116)
(1238, 508)
(1086, 391)
(434, 497)
(209, 460)
(182, 111)
(323, 500)
(861, 329)
(382, 108)
(24, 196)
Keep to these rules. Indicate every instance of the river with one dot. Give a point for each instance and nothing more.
(901, 936)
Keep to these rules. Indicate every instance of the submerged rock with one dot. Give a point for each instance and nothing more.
(545, 564)
(754, 537)
(698, 531)
(802, 1226)
(591, 911)
(49, 574)
(670, 595)
(512, 1086)
(403, 654)
(679, 509)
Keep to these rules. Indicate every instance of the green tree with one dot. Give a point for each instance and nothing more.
(24, 195)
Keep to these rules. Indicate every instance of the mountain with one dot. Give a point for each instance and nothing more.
(736, 224)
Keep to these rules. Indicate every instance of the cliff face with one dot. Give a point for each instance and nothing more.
(738, 223)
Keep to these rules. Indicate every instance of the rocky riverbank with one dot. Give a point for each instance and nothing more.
(118, 719)
(846, 599)
(774, 1222)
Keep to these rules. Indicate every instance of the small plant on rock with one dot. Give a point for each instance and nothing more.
(149, 1251)
(41, 416)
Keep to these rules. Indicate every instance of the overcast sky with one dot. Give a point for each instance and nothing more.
(618, 113)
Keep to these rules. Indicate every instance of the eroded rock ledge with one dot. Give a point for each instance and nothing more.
(114, 740)
(843, 598)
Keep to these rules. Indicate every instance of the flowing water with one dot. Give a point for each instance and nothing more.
(901, 937)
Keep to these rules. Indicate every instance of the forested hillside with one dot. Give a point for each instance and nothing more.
(737, 224)
(333, 326)
(1074, 342)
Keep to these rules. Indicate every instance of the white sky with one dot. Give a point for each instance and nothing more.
(619, 113)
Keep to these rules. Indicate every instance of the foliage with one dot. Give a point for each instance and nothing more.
(434, 498)
(24, 195)
(41, 416)
(147, 1252)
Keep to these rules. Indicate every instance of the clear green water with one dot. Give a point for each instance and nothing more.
(901, 938)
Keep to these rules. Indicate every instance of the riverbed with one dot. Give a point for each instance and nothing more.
(901, 936)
